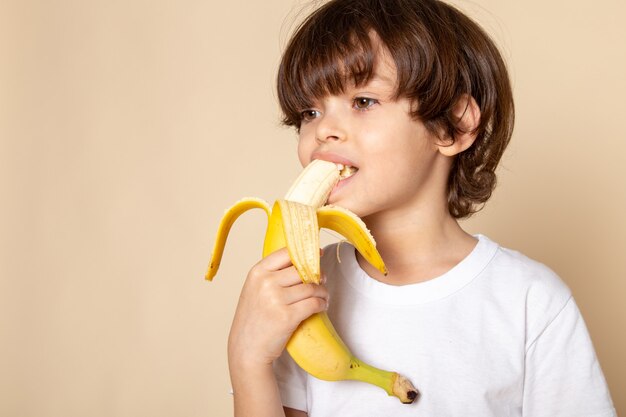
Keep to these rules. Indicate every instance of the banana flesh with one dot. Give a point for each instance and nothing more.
(314, 184)
(294, 222)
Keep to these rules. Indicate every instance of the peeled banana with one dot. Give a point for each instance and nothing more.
(294, 222)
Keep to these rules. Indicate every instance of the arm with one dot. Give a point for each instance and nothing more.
(272, 304)
(563, 376)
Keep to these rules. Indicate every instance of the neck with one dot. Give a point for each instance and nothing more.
(418, 243)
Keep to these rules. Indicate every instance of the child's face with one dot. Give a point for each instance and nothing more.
(396, 156)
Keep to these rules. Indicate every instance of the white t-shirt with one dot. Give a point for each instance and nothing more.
(498, 335)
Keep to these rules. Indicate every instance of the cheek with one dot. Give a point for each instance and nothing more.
(305, 149)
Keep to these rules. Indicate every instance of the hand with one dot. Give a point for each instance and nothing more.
(272, 304)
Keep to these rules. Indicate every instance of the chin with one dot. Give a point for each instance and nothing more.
(348, 205)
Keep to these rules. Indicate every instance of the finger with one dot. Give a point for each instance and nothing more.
(276, 260)
(303, 309)
(301, 292)
(287, 277)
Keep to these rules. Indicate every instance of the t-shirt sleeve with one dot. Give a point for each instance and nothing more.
(291, 381)
(563, 376)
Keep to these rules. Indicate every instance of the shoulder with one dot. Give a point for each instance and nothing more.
(520, 270)
(538, 290)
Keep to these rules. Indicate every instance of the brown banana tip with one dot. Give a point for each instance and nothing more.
(404, 390)
(411, 396)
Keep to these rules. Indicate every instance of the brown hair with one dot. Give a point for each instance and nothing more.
(440, 55)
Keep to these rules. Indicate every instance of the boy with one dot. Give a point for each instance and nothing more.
(416, 97)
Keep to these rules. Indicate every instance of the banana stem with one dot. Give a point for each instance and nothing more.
(361, 371)
(393, 383)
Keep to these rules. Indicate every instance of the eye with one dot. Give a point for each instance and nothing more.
(308, 115)
(364, 103)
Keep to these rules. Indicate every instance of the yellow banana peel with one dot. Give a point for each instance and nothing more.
(294, 222)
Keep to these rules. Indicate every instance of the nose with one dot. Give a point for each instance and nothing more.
(330, 128)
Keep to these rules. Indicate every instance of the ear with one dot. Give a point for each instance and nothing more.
(467, 114)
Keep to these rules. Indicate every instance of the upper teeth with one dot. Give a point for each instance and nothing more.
(346, 171)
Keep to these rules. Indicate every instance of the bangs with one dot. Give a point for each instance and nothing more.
(326, 56)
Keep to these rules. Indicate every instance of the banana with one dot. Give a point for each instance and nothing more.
(294, 222)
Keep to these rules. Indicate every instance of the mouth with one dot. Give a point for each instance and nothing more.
(346, 171)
